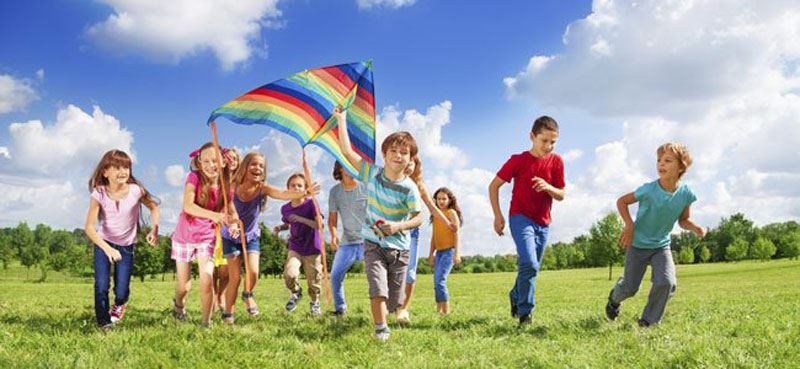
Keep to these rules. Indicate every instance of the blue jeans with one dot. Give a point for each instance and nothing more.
(122, 280)
(342, 261)
(442, 265)
(530, 239)
(232, 248)
(411, 273)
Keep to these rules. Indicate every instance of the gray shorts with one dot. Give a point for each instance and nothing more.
(386, 273)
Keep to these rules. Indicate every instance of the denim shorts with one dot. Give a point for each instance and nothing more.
(231, 249)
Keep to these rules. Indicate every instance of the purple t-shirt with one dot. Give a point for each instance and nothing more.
(303, 239)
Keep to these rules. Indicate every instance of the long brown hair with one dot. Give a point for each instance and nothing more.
(120, 159)
(205, 182)
(241, 173)
(230, 156)
(453, 204)
(416, 175)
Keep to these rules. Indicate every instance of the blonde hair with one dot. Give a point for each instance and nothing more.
(241, 173)
(680, 151)
(205, 182)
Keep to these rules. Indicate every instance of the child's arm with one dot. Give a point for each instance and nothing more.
(687, 224)
(155, 218)
(287, 195)
(431, 255)
(435, 211)
(622, 206)
(540, 185)
(333, 220)
(494, 190)
(191, 208)
(279, 228)
(344, 139)
(309, 222)
(457, 242)
(389, 228)
(94, 209)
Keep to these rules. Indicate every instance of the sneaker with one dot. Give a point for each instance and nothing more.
(403, 317)
(340, 314)
(612, 308)
(524, 320)
(117, 312)
(292, 303)
(314, 308)
(382, 334)
(514, 313)
(106, 328)
(643, 323)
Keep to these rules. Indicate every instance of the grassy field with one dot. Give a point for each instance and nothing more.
(723, 315)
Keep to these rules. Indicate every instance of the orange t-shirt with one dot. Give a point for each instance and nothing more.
(443, 236)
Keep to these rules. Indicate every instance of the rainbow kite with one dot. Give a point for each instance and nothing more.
(302, 106)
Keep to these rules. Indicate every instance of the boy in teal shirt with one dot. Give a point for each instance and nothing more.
(661, 204)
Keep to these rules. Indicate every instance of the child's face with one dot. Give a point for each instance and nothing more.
(544, 142)
(345, 176)
(234, 162)
(297, 184)
(397, 158)
(256, 169)
(410, 168)
(442, 200)
(668, 165)
(208, 163)
(117, 175)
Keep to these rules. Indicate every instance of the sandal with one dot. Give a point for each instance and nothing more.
(252, 308)
(228, 318)
(178, 311)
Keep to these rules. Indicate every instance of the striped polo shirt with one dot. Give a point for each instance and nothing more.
(388, 201)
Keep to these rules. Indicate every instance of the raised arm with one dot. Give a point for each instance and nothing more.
(494, 193)
(622, 206)
(280, 194)
(435, 211)
(344, 138)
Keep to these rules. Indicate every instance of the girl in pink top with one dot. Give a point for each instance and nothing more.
(194, 234)
(116, 200)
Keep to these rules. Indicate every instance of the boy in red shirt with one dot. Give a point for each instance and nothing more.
(538, 176)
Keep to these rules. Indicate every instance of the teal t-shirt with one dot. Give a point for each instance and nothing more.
(657, 214)
(388, 200)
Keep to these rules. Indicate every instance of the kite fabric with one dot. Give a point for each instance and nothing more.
(302, 106)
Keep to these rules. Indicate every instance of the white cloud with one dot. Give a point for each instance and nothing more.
(572, 155)
(40, 74)
(4, 152)
(393, 4)
(75, 142)
(175, 175)
(15, 94)
(169, 31)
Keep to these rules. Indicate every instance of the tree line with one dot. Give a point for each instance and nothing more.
(734, 238)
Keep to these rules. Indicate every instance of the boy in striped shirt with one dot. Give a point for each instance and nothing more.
(392, 211)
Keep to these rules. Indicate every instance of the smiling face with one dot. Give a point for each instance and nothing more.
(117, 175)
(397, 158)
(207, 163)
(544, 142)
(234, 158)
(442, 200)
(256, 169)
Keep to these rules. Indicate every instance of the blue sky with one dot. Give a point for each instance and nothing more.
(620, 77)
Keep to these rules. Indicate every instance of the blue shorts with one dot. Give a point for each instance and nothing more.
(231, 249)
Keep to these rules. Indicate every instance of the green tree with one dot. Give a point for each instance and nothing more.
(789, 245)
(604, 236)
(549, 260)
(273, 252)
(685, 256)
(148, 259)
(7, 251)
(38, 253)
(736, 250)
(737, 226)
(703, 254)
(22, 241)
(763, 249)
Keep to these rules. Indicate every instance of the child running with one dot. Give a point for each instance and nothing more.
(538, 176)
(661, 203)
(414, 171)
(445, 246)
(250, 199)
(305, 242)
(347, 200)
(116, 200)
(194, 235)
(392, 210)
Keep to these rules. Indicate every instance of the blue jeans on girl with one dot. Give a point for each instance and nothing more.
(122, 280)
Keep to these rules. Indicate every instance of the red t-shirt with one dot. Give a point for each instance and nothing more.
(524, 199)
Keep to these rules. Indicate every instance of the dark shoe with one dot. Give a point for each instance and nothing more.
(292, 303)
(612, 308)
(228, 319)
(178, 311)
(643, 323)
(524, 320)
(340, 314)
(106, 328)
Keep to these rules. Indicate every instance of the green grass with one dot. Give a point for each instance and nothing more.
(723, 315)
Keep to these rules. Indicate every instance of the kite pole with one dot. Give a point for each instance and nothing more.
(319, 226)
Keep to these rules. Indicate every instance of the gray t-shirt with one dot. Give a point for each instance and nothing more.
(352, 208)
